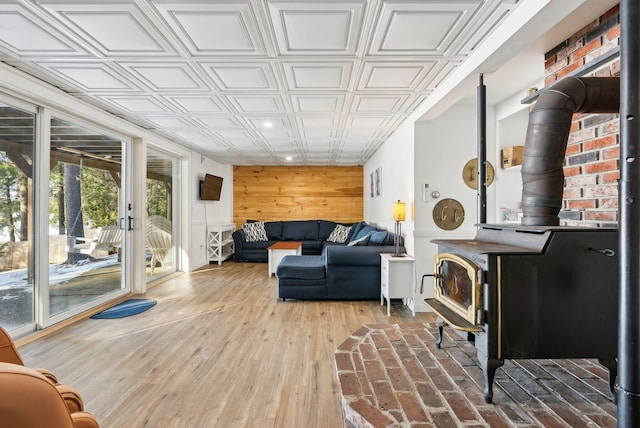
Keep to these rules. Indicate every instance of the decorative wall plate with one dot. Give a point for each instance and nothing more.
(470, 173)
(448, 214)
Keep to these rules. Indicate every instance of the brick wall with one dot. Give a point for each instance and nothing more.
(592, 157)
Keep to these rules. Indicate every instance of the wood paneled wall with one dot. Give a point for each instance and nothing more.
(271, 193)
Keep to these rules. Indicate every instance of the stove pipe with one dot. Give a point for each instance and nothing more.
(547, 136)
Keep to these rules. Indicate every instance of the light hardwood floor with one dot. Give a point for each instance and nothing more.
(218, 350)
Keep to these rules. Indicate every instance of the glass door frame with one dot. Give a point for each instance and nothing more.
(43, 137)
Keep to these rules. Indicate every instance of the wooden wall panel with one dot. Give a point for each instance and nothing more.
(271, 193)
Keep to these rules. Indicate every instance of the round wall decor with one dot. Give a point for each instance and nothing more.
(448, 214)
(470, 173)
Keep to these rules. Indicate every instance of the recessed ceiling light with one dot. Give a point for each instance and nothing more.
(289, 158)
(267, 124)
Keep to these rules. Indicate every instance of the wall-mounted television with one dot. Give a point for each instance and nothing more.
(210, 188)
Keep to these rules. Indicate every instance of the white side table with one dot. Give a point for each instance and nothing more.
(397, 280)
(280, 249)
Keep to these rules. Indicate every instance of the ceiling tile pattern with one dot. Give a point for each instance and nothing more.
(252, 82)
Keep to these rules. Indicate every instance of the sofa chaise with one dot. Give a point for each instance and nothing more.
(340, 273)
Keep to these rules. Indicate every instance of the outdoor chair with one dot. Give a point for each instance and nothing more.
(106, 238)
(158, 239)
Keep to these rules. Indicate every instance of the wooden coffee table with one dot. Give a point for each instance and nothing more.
(280, 249)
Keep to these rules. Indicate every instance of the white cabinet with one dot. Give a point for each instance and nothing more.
(219, 242)
(397, 280)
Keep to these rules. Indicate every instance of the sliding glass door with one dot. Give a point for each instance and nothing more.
(161, 220)
(17, 274)
(87, 224)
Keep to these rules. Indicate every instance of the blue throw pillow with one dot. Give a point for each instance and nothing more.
(360, 242)
(366, 230)
(378, 238)
(355, 228)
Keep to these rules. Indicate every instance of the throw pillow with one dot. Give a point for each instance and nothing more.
(366, 230)
(255, 232)
(360, 242)
(378, 238)
(339, 234)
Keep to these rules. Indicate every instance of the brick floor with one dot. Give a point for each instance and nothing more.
(394, 376)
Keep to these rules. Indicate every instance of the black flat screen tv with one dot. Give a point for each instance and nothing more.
(210, 188)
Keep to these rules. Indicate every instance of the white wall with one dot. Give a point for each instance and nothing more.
(395, 158)
(205, 213)
(443, 147)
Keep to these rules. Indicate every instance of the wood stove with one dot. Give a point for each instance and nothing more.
(529, 292)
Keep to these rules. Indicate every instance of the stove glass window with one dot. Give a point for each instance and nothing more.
(455, 283)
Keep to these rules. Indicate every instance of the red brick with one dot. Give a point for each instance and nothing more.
(584, 50)
(582, 204)
(385, 397)
(380, 340)
(443, 419)
(572, 193)
(368, 351)
(592, 168)
(610, 177)
(601, 215)
(348, 344)
(613, 33)
(413, 341)
(569, 68)
(598, 143)
(343, 361)
(440, 379)
(546, 419)
(573, 149)
(388, 358)
(349, 383)
(365, 385)
(460, 406)
(571, 171)
(393, 334)
(371, 414)
(612, 127)
(411, 406)
(361, 332)
(415, 370)
(429, 395)
(566, 414)
(399, 380)
(493, 418)
(375, 370)
(613, 153)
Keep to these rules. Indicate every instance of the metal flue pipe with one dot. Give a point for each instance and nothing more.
(546, 141)
(482, 151)
(628, 395)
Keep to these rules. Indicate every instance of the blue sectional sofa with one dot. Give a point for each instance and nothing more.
(339, 261)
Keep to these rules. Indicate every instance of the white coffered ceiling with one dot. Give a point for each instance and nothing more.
(333, 78)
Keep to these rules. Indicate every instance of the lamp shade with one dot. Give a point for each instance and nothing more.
(399, 211)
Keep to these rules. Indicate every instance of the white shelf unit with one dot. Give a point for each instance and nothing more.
(220, 244)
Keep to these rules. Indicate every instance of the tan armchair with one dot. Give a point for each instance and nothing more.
(9, 354)
(29, 400)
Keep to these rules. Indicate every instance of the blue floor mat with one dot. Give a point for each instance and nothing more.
(126, 309)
